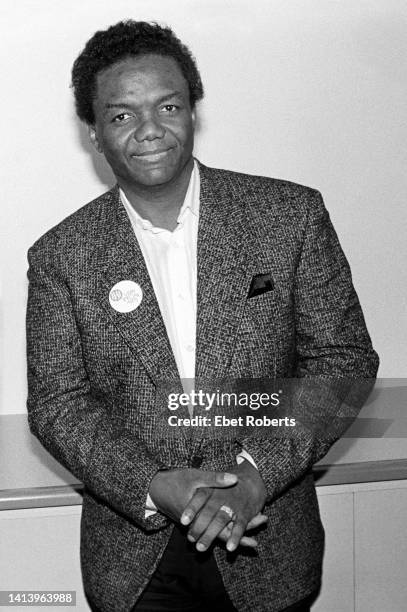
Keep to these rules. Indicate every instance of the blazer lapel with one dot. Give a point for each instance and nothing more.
(143, 328)
(226, 265)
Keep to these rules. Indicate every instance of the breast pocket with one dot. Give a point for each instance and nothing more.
(254, 353)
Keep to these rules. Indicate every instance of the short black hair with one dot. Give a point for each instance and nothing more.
(125, 39)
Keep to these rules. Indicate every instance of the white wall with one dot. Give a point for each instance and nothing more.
(309, 90)
(364, 560)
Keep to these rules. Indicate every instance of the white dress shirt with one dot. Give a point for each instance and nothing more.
(171, 263)
(171, 260)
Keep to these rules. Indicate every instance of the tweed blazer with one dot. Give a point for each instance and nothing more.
(93, 375)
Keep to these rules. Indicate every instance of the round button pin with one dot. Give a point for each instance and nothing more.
(125, 296)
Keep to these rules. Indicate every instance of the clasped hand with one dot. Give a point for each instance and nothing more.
(196, 497)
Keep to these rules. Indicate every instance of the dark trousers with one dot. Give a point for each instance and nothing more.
(185, 581)
(188, 581)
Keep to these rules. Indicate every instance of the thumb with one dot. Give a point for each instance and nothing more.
(217, 479)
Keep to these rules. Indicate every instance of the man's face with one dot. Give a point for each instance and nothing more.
(144, 125)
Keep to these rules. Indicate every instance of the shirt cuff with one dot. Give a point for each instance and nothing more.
(245, 455)
(151, 508)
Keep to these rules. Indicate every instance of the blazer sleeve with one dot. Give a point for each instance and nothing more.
(72, 424)
(335, 362)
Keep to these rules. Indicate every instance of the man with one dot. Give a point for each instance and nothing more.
(181, 272)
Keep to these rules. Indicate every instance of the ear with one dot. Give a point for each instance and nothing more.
(94, 139)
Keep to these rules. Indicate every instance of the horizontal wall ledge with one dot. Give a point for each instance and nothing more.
(346, 473)
(41, 497)
(363, 471)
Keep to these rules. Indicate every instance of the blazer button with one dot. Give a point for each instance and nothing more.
(196, 461)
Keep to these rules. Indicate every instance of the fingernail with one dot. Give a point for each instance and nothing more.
(231, 547)
(200, 547)
(191, 538)
(229, 478)
(185, 519)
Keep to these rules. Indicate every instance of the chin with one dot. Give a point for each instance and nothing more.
(156, 176)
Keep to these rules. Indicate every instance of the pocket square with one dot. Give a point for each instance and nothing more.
(261, 283)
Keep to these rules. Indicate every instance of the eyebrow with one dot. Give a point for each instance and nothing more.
(168, 96)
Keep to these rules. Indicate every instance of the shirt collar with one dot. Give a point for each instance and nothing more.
(190, 204)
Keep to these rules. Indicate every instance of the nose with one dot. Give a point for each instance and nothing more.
(149, 129)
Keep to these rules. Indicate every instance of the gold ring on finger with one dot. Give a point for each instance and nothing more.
(228, 511)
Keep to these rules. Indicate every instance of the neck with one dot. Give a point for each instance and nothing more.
(160, 204)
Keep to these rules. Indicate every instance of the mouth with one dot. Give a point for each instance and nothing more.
(153, 155)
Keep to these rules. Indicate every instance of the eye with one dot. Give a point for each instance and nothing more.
(121, 117)
(170, 108)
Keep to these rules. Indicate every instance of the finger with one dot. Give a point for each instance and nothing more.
(238, 530)
(204, 518)
(216, 479)
(208, 523)
(256, 521)
(226, 532)
(212, 530)
(195, 504)
(246, 541)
